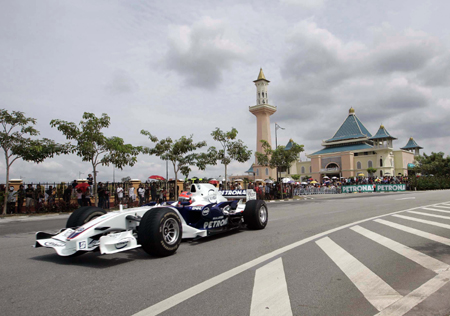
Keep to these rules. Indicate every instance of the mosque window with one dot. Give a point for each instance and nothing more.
(358, 165)
(381, 162)
(310, 169)
(257, 172)
(303, 169)
(369, 164)
(267, 171)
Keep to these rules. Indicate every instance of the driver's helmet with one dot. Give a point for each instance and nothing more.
(185, 196)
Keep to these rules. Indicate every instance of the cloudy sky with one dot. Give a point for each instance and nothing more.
(179, 68)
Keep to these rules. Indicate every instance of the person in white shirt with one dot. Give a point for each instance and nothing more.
(120, 193)
(131, 195)
(141, 194)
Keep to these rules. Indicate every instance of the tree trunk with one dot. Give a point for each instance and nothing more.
(175, 189)
(5, 202)
(226, 183)
(95, 185)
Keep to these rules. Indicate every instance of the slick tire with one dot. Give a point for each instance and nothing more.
(160, 232)
(256, 214)
(83, 215)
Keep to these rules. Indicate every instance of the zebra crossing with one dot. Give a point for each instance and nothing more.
(271, 294)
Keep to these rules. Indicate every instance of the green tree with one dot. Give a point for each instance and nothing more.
(16, 141)
(232, 149)
(280, 157)
(371, 171)
(296, 177)
(181, 153)
(434, 164)
(93, 146)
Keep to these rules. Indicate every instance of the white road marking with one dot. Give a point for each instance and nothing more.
(408, 198)
(405, 304)
(207, 284)
(444, 206)
(431, 215)
(412, 254)
(375, 290)
(435, 209)
(423, 221)
(270, 293)
(416, 232)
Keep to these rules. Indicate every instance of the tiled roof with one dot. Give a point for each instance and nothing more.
(250, 170)
(411, 144)
(351, 128)
(382, 133)
(289, 145)
(329, 150)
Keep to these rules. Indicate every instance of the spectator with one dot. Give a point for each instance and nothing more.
(90, 180)
(87, 197)
(12, 195)
(68, 194)
(120, 193)
(101, 195)
(2, 195)
(147, 193)
(131, 195)
(39, 198)
(20, 198)
(50, 196)
(107, 196)
(79, 197)
(141, 194)
(29, 195)
(153, 192)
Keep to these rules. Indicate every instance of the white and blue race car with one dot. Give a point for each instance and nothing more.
(157, 229)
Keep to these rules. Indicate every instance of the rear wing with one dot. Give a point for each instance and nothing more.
(239, 194)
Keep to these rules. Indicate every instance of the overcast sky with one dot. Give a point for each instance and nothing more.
(179, 68)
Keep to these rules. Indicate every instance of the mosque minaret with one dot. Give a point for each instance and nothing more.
(262, 110)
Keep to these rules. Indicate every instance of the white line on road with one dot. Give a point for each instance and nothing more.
(416, 232)
(413, 255)
(405, 304)
(408, 198)
(375, 290)
(270, 293)
(431, 215)
(207, 284)
(439, 205)
(423, 221)
(435, 209)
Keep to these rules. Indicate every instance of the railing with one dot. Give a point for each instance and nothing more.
(311, 191)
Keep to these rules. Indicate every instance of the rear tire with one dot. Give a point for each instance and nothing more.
(160, 232)
(256, 214)
(83, 215)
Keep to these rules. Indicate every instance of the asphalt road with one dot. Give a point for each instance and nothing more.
(321, 256)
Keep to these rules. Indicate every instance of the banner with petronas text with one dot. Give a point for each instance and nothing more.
(369, 188)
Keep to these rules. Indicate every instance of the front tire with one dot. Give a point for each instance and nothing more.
(83, 215)
(256, 214)
(160, 232)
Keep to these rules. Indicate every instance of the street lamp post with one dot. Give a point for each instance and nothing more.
(276, 140)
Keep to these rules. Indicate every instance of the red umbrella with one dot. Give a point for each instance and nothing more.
(213, 181)
(156, 178)
(82, 186)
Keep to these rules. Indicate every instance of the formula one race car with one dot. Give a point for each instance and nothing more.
(157, 229)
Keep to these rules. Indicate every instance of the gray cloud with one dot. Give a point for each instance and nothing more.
(121, 82)
(200, 53)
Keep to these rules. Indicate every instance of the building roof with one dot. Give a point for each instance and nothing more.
(411, 144)
(261, 76)
(250, 170)
(330, 150)
(289, 144)
(351, 128)
(382, 133)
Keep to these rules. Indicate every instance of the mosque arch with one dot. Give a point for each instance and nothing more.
(358, 165)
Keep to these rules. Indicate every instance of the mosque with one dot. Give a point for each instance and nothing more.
(348, 153)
